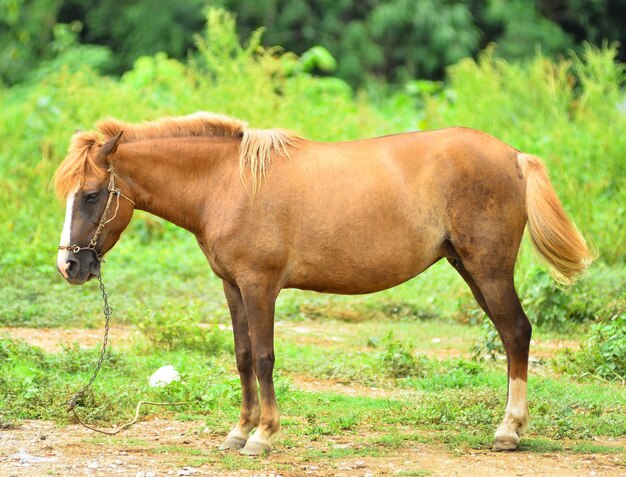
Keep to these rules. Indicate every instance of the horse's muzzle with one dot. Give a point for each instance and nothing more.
(80, 267)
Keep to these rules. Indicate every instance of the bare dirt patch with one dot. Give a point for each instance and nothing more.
(337, 386)
(167, 447)
(54, 339)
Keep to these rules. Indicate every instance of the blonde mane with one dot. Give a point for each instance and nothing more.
(255, 152)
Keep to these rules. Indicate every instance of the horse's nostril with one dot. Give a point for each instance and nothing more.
(72, 267)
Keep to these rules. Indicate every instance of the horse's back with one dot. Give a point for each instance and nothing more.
(362, 216)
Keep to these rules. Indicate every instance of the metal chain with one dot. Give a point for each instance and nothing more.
(107, 310)
(73, 402)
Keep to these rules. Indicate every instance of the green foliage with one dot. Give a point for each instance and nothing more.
(319, 58)
(29, 377)
(398, 360)
(68, 53)
(394, 39)
(602, 354)
(134, 29)
(178, 329)
(545, 301)
(524, 30)
(564, 111)
(25, 30)
(489, 346)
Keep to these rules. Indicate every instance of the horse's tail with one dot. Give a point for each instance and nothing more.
(553, 234)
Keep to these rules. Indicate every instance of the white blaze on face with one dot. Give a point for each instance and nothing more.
(65, 235)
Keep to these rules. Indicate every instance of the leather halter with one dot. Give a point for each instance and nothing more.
(113, 191)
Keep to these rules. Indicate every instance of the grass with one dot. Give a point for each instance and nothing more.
(443, 394)
(455, 412)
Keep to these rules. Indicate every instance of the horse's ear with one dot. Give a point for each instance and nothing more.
(110, 146)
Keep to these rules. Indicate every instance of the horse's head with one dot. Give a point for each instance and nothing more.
(98, 206)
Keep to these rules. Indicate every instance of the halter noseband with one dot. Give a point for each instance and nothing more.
(113, 191)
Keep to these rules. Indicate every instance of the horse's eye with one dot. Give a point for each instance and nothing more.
(92, 197)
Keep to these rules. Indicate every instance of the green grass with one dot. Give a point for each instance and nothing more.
(445, 394)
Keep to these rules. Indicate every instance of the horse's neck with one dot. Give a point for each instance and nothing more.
(178, 179)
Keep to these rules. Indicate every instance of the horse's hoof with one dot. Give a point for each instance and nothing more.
(256, 448)
(506, 442)
(233, 443)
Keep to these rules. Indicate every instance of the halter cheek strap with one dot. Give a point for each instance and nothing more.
(113, 192)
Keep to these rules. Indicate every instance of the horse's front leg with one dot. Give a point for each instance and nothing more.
(259, 300)
(250, 409)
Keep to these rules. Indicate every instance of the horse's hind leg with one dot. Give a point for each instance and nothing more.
(250, 409)
(495, 292)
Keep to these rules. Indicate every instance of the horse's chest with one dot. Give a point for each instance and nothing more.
(213, 260)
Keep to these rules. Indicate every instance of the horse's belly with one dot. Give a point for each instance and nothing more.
(355, 267)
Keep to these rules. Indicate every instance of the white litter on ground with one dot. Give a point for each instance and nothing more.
(163, 376)
(25, 458)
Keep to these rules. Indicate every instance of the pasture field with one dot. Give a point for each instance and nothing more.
(394, 392)
(410, 381)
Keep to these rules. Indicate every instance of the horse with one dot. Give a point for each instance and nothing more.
(272, 210)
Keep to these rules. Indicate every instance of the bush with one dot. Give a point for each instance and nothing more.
(398, 360)
(602, 355)
(179, 328)
(490, 346)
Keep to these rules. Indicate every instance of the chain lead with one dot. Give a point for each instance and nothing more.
(107, 310)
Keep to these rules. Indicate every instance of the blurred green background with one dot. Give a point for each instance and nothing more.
(384, 40)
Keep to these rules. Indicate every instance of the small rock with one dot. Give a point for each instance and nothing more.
(141, 473)
(150, 474)
(187, 471)
(93, 465)
(359, 464)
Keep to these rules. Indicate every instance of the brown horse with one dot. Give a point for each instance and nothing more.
(271, 210)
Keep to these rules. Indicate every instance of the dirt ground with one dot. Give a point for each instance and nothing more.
(159, 447)
(171, 448)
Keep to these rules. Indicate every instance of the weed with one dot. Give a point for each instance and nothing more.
(347, 422)
(398, 361)
(602, 355)
(586, 448)
(538, 445)
(490, 346)
(178, 328)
